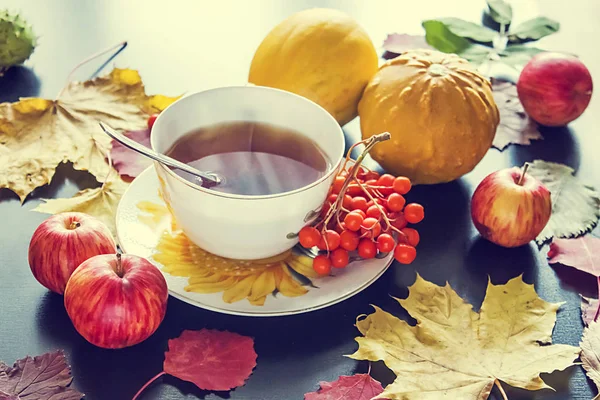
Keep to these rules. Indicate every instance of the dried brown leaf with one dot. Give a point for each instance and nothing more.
(515, 125)
(100, 202)
(38, 134)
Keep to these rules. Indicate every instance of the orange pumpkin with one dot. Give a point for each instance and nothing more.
(439, 111)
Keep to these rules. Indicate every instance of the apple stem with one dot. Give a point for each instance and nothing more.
(148, 384)
(74, 225)
(525, 168)
(120, 272)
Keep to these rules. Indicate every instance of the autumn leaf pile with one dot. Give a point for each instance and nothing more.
(36, 135)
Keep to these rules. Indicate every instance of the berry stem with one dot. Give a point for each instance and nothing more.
(369, 144)
(148, 384)
(381, 210)
(523, 172)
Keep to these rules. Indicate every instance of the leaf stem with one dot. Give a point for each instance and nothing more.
(501, 389)
(598, 307)
(118, 47)
(148, 384)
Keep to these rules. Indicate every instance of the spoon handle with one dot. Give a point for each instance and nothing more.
(171, 162)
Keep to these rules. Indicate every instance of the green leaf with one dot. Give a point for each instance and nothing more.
(476, 53)
(533, 29)
(518, 55)
(467, 29)
(439, 36)
(575, 206)
(500, 11)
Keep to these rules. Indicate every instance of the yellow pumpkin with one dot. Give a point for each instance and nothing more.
(321, 54)
(440, 113)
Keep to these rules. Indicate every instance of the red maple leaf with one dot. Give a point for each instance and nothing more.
(212, 360)
(515, 125)
(582, 253)
(398, 43)
(128, 162)
(355, 387)
(45, 377)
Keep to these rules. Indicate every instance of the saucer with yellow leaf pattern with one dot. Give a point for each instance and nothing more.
(282, 285)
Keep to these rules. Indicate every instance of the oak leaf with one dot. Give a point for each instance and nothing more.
(590, 353)
(509, 341)
(582, 253)
(38, 134)
(44, 377)
(211, 359)
(355, 387)
(575, 205)
(100, 202)
(515, 125)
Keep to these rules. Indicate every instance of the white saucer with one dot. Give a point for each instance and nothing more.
(139, 232)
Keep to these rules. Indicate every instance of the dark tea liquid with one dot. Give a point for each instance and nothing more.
(254, 158)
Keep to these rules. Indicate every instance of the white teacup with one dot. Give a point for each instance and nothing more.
(240, 226)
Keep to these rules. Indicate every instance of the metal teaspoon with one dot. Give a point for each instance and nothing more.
(207, 177)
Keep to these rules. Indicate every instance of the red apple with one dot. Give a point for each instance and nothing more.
(64, 241)
(555, 88)
(510, 207)
(115, 300)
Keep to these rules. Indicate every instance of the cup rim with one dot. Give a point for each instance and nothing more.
(331, 171)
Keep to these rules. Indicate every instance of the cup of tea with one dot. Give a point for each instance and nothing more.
(277, 152)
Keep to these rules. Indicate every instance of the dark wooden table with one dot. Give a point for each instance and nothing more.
(181, 46)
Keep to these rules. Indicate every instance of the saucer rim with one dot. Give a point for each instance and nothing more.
(389, 260)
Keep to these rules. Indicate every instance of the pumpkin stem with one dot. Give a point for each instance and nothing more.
(525, 168)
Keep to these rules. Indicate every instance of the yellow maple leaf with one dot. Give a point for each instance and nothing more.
(37, 134)
(100, 202)
(456, 353)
